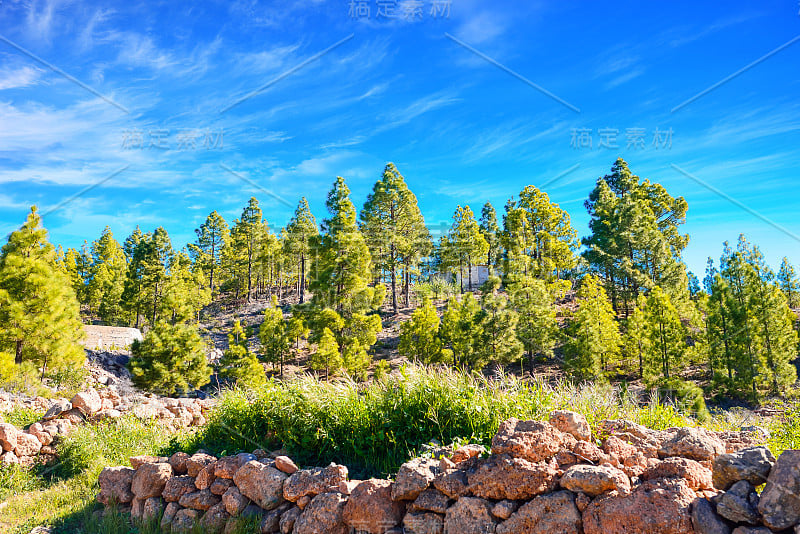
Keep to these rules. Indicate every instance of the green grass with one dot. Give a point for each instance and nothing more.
(373, 428)
(21, 417)
(785, 431)
(63, 495)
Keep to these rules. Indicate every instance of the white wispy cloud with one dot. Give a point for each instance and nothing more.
(15, 78)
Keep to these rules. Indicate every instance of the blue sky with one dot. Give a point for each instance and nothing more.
(150, 112)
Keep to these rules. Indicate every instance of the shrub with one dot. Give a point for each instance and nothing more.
(373, 428)
(170, 359)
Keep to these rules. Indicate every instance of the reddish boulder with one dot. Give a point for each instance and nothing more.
(370, 508)
(8, 436)
(150, 479)
(285, 464)
(196, 462)
(178, 486)
(115, 485)
(27, 445)
(534, 441)
(470, 515)
(546, 514)
(199, 500)
(413, 477)
(595, 479)
(695, 475)
(654, 507)
(694, 443)
(571, 423)
(324, 515)
(311, 482)
(261, 484)
(234, 501)
(423, 523)
(502, 477)
(430, 500)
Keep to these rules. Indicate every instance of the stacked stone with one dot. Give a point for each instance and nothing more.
(36, 444)
(553, 477)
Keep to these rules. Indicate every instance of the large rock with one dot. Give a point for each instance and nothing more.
(780, 500)
(288, 520)
(8, 436)
(214, 520)
(502, 477)
(595, 479)
(199, 500)
(178, 486)
(705, 520)
(693, 443)
(654, 507)
(546, 514)
(413, 477)
(311, 482)
(27, 445)
(739, 504)
(196, 462)
(115, 485)
(205, 477)
(226, 467)
(452, 483)
(324, 515)
(152, 508)
(220, 486)
(697, 476)
(88, 402)
(571, 423)
(261, 484)
(178, 462)
(234, 501)
(370, 508)
(168, 515)
(150, 479)
(55, 410)
(534, 441)
(431, 500)
(184, 520)
(751, 464)
(423, 523)
(640, 437)
(470, 515)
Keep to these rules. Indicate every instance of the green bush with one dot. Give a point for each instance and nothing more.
(169, 360)
(373, 428)
(687, 395)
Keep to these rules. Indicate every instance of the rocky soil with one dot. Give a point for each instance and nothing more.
(539, 477)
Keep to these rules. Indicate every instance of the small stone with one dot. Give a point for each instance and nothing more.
(705, 520)
(178, 462)
(413, 477)
(534, 441)
(178, 486)
(184, 520)
(595, 479)
(371, 509)
(739, 504)
(571, 423)
(115, 485)
(431, 500)
(285, 464)
(199, 500)
(220, 486)
(423, 523)
(470, 515)
(234, 501)
(196, 462)
(88, 402)
(504, 509)
(551, 513)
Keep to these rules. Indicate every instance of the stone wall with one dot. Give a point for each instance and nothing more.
(540, 477)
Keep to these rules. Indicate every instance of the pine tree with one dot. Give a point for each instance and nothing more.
(275, 336)
(465, 244)
(667, 336)
(538, 237)
(327, 354)
(394, 229)
(789, 284)
(635, 242)
(593, 334)
(498, 325)
(491, 233)
(147, 276)
(107, 280)
(342, 267)
(419, 336)
(460, 330)
(247, 239)
(77, 265)
(238, 363)
(636, 341)
(186, 291)
(39, 313)
(537, 328)
(171, 359)
(212, 237)
(300, 233)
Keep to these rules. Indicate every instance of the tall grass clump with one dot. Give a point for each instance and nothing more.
(63, 495)
(373, 428)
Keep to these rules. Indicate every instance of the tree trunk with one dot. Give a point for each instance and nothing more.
(469, 273)
(18, 355)
(394, 278)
